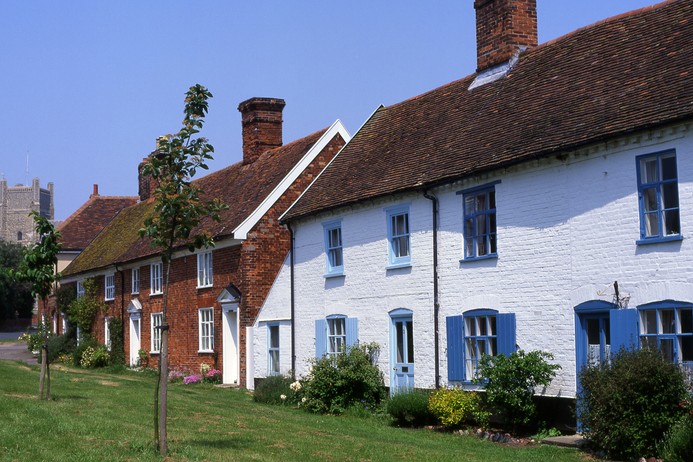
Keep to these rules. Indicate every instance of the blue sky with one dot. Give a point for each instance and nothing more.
(89, 85)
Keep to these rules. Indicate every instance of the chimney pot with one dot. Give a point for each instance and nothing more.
(95, 190)
(261, 119)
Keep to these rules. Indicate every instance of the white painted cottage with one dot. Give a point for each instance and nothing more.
(543, 203)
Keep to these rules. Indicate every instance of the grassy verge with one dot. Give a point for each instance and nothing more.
(99, 416)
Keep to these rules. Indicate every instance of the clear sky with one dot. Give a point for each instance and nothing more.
(89, 85)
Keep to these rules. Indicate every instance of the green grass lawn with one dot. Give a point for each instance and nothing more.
(100, 416)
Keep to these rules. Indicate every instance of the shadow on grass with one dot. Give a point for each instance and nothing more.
(68, 397)
(227, 443)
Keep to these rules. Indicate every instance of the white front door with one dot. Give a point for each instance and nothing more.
(230, 343)
(135, 344)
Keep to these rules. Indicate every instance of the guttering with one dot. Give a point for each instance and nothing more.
(436, 303)
(292, 303)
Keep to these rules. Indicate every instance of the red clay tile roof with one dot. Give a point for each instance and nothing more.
(241, 187)
(629, 73)
(85, 223)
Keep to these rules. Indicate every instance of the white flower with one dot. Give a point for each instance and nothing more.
(304, 399)
(282, 397)
(295, 386)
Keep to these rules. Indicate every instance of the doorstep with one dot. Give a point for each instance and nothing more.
(568, 441)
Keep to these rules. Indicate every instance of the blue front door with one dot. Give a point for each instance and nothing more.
(402, 377)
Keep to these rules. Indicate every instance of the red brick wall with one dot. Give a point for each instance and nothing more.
(252, 267)
(502, 26)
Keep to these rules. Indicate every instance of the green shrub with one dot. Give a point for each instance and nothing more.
(86, 342)
(678, 442)
(626, 406)
(510, 382)
(94, 357)
(453, 407)
(410, 409)
(59, 345)
(271, 389)
(117, 352)
(341, 381)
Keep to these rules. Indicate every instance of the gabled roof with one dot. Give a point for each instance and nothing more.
(85, 223)
(243, 187)
(625, 74)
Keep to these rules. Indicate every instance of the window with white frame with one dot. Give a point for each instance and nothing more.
(157, 321)
(156, 278)
(399, 251)
(135, 280)
(333, 248)
(109, 287)
(273, 349)
(206, 329)
(480, 222)
(107, 332)
(479, 339)
(658, 195)
(204, 269)
(80, 289)
(668, 327)
(336, 335)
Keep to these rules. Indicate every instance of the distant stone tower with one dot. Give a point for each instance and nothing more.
(16, 202)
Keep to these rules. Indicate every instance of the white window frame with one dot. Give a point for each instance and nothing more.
(107, 332)
(206, 330)
(156, 321)
(135, 280)
(395, 249)
(80, 289)
(273, 355)
(205, 276)
(156, 279)
(336, 335)
(334, 249)
(109, 287)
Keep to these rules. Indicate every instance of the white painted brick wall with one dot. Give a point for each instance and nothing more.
(566, 232)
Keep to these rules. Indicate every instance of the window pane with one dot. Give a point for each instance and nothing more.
(274, 361)
(403, 246)
(652, 224)
(492, 243)
(492, 199)
(649, 342)
(483, 326)
(669, 167)
(274, 336)
(666, 318)
(648, 170)
(593, 337)
(468, 204)
(686, 320)
(492, 347)
(666, 346)
(481, 202)
(471, 327)
(481, 225)
(410, 342)
(650, 199)
(492, 324)
(671, 222)
(686, 352)
(400, 341)
(670, 195)
(649, 322)
(492, 222)
(481, 246)
(482, 347)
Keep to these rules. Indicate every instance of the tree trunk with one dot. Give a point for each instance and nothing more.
(163, 399)
(44, 359)
(156, 407)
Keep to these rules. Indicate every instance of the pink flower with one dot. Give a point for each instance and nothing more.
(192, 379)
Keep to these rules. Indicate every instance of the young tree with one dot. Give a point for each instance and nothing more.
(178, 210)
(39, 268)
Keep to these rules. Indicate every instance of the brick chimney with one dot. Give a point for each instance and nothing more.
(95, 190)
(503, 28)
(262, 126)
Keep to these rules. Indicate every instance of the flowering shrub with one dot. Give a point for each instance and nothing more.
(204, 368)
(176, 374)
(192, 379)
(453, 407)
(94, 357)
(295, 386)
(213, 376)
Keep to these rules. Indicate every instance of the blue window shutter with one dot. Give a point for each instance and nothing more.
(505, 331)
(352, 331)
(624, 329)
(455, 334)
(320, 338)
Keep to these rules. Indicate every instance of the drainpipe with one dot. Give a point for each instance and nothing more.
(122, 305)
(293, 330)
(436, 303)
